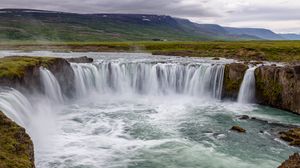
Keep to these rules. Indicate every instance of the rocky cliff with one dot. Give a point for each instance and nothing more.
(16, 147)
(278, 87)
(233, 77)
(23, 73)
(292, 162)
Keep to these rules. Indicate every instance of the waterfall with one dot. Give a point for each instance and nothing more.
(204, 80)
(15, 106)
(247, 89)
(51, 86)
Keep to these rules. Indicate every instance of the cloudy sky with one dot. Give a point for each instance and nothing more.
(278, 15)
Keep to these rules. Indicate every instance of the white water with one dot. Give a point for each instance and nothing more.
(135, 114)
(247, 89)
(16, 106)
(51, 86)
(202, 80)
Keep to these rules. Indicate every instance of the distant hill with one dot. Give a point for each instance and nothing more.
(261, 33)
(40, 25)
(291, 36)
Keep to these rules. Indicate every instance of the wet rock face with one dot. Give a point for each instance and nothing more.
(16, 147)
(84, 59)
(292, 162)
(64, 73)
(233, 78)
(278, 87)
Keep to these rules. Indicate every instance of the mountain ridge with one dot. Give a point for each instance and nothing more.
(32, 24)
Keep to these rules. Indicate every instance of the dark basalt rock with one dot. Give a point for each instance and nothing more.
(84, 59)
(292, 136)
(238, 129)
(278, 87)
(243, 117)
(233, 78)
(292, 162)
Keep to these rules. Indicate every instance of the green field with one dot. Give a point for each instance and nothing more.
(285, 51)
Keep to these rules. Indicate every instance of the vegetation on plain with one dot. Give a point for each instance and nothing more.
(285, 51)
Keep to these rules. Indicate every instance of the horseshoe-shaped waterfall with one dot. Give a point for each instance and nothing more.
(146, 112)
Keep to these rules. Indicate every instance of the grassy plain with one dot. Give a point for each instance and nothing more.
(285, 51)
(13, 67)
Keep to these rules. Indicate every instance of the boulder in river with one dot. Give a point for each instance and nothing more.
(292, 136)
(243, 117)
(238, 129)
(83, 59)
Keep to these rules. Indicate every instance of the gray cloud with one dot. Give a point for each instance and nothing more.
(168, 7)
(251, 13)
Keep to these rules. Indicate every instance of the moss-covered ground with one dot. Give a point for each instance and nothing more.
(16, 149)
(12, 67)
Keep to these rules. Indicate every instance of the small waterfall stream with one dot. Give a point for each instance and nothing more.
(247, 89)
(51, 86)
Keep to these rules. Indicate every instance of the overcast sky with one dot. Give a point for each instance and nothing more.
(278, 15)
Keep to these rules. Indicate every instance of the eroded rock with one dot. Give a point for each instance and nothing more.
(233, 78)
(278, 87)
(292, 136)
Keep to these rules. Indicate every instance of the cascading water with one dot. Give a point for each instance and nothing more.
(247, 89)
(51, 86)
(16, 106)
(148, 78)
(146, 113)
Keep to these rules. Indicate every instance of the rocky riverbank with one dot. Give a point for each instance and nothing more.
(292, 162)
(16, 147)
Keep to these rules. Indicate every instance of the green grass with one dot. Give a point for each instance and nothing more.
(15, 67)
(286, 51)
